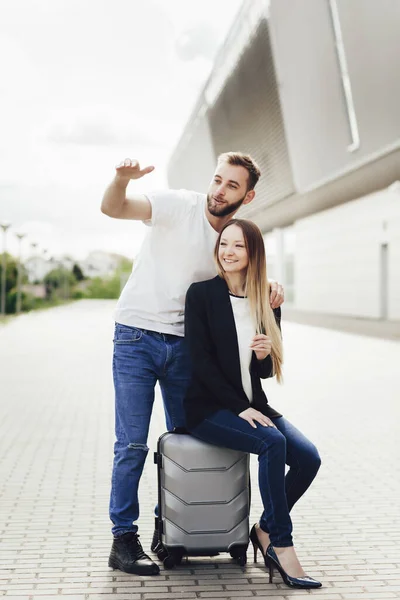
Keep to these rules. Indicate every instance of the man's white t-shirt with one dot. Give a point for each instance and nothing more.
(177, 251)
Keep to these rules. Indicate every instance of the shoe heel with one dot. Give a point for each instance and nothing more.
(255, 550)
(271, 570)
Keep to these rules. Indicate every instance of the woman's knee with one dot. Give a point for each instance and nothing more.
(312, 459)
(272, 440)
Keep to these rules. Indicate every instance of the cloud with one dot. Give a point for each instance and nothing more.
(14, 62)
(64, 223)
(84, 85)
(101, 129)
(197, 41)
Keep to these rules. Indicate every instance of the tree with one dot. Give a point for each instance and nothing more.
(11, 272)
(11, 284)
(124, 265)
(77, 272)
(28, 301)
(58, 282)
(104, 288)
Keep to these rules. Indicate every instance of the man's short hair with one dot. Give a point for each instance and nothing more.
(246, 161)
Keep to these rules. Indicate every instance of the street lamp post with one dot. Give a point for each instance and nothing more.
(50, 289)
(4, 227)
(34, 245)
(66, 265)
(20, 237)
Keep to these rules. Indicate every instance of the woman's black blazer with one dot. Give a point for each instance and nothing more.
(210, 332)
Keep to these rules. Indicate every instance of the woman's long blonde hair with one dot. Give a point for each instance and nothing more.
(257, 288)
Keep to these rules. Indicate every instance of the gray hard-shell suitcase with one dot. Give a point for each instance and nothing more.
(203, 499)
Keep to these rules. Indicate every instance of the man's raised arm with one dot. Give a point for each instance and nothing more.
(116, 204)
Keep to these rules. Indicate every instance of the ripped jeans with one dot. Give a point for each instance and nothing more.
(140, 359)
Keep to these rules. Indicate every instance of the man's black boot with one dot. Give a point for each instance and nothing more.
(156, 537)
(127, 555)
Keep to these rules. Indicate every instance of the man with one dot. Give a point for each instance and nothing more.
(149, 345)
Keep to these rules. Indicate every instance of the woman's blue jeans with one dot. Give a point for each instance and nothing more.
(275, 448)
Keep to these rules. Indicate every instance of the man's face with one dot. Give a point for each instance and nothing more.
(228, 190)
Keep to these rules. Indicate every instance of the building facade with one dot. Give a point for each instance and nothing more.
(311, 90)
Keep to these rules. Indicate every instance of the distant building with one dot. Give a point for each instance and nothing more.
(37, 291)
(100, 264)
(37, 268)
(97, 264)
(311, 90)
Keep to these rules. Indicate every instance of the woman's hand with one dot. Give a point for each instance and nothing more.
(261, 344)
(251, 415)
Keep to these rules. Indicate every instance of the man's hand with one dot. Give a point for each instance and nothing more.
(277, 296)
(130, 169)
(261, 344)
(116, 204)
(251, 415)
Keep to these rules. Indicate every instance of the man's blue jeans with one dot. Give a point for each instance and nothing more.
(275, 448)
(141, 358)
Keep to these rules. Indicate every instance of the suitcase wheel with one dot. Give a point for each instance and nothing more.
(172, 559)
(169, 561)
(242, 560)
(239, 554)
(161, 553)
(178, 559)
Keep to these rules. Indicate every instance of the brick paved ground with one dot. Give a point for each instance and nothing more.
(56, 436)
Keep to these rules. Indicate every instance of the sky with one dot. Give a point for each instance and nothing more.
(84, 84)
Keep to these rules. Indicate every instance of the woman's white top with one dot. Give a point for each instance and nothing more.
(245, 331)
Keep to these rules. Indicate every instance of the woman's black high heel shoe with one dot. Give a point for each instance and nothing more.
(271, 560)
(294, 582)
(257, 546)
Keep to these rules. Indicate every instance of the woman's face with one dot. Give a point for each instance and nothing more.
(232, 251)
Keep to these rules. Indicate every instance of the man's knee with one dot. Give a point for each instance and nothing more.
(137, 446)
(125, 449)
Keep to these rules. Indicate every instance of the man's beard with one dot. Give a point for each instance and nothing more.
(225, 209)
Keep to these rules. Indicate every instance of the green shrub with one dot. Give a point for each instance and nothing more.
(28, 301)
(78, 295)
(104, 288)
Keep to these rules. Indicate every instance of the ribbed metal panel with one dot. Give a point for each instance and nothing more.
(192, 163)
(247, 117)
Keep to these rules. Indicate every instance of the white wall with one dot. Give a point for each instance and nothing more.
(394, 254)
(338, 257)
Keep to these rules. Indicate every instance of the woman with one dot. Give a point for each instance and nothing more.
(234, 339)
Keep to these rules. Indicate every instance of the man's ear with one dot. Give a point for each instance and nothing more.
(249, 197)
